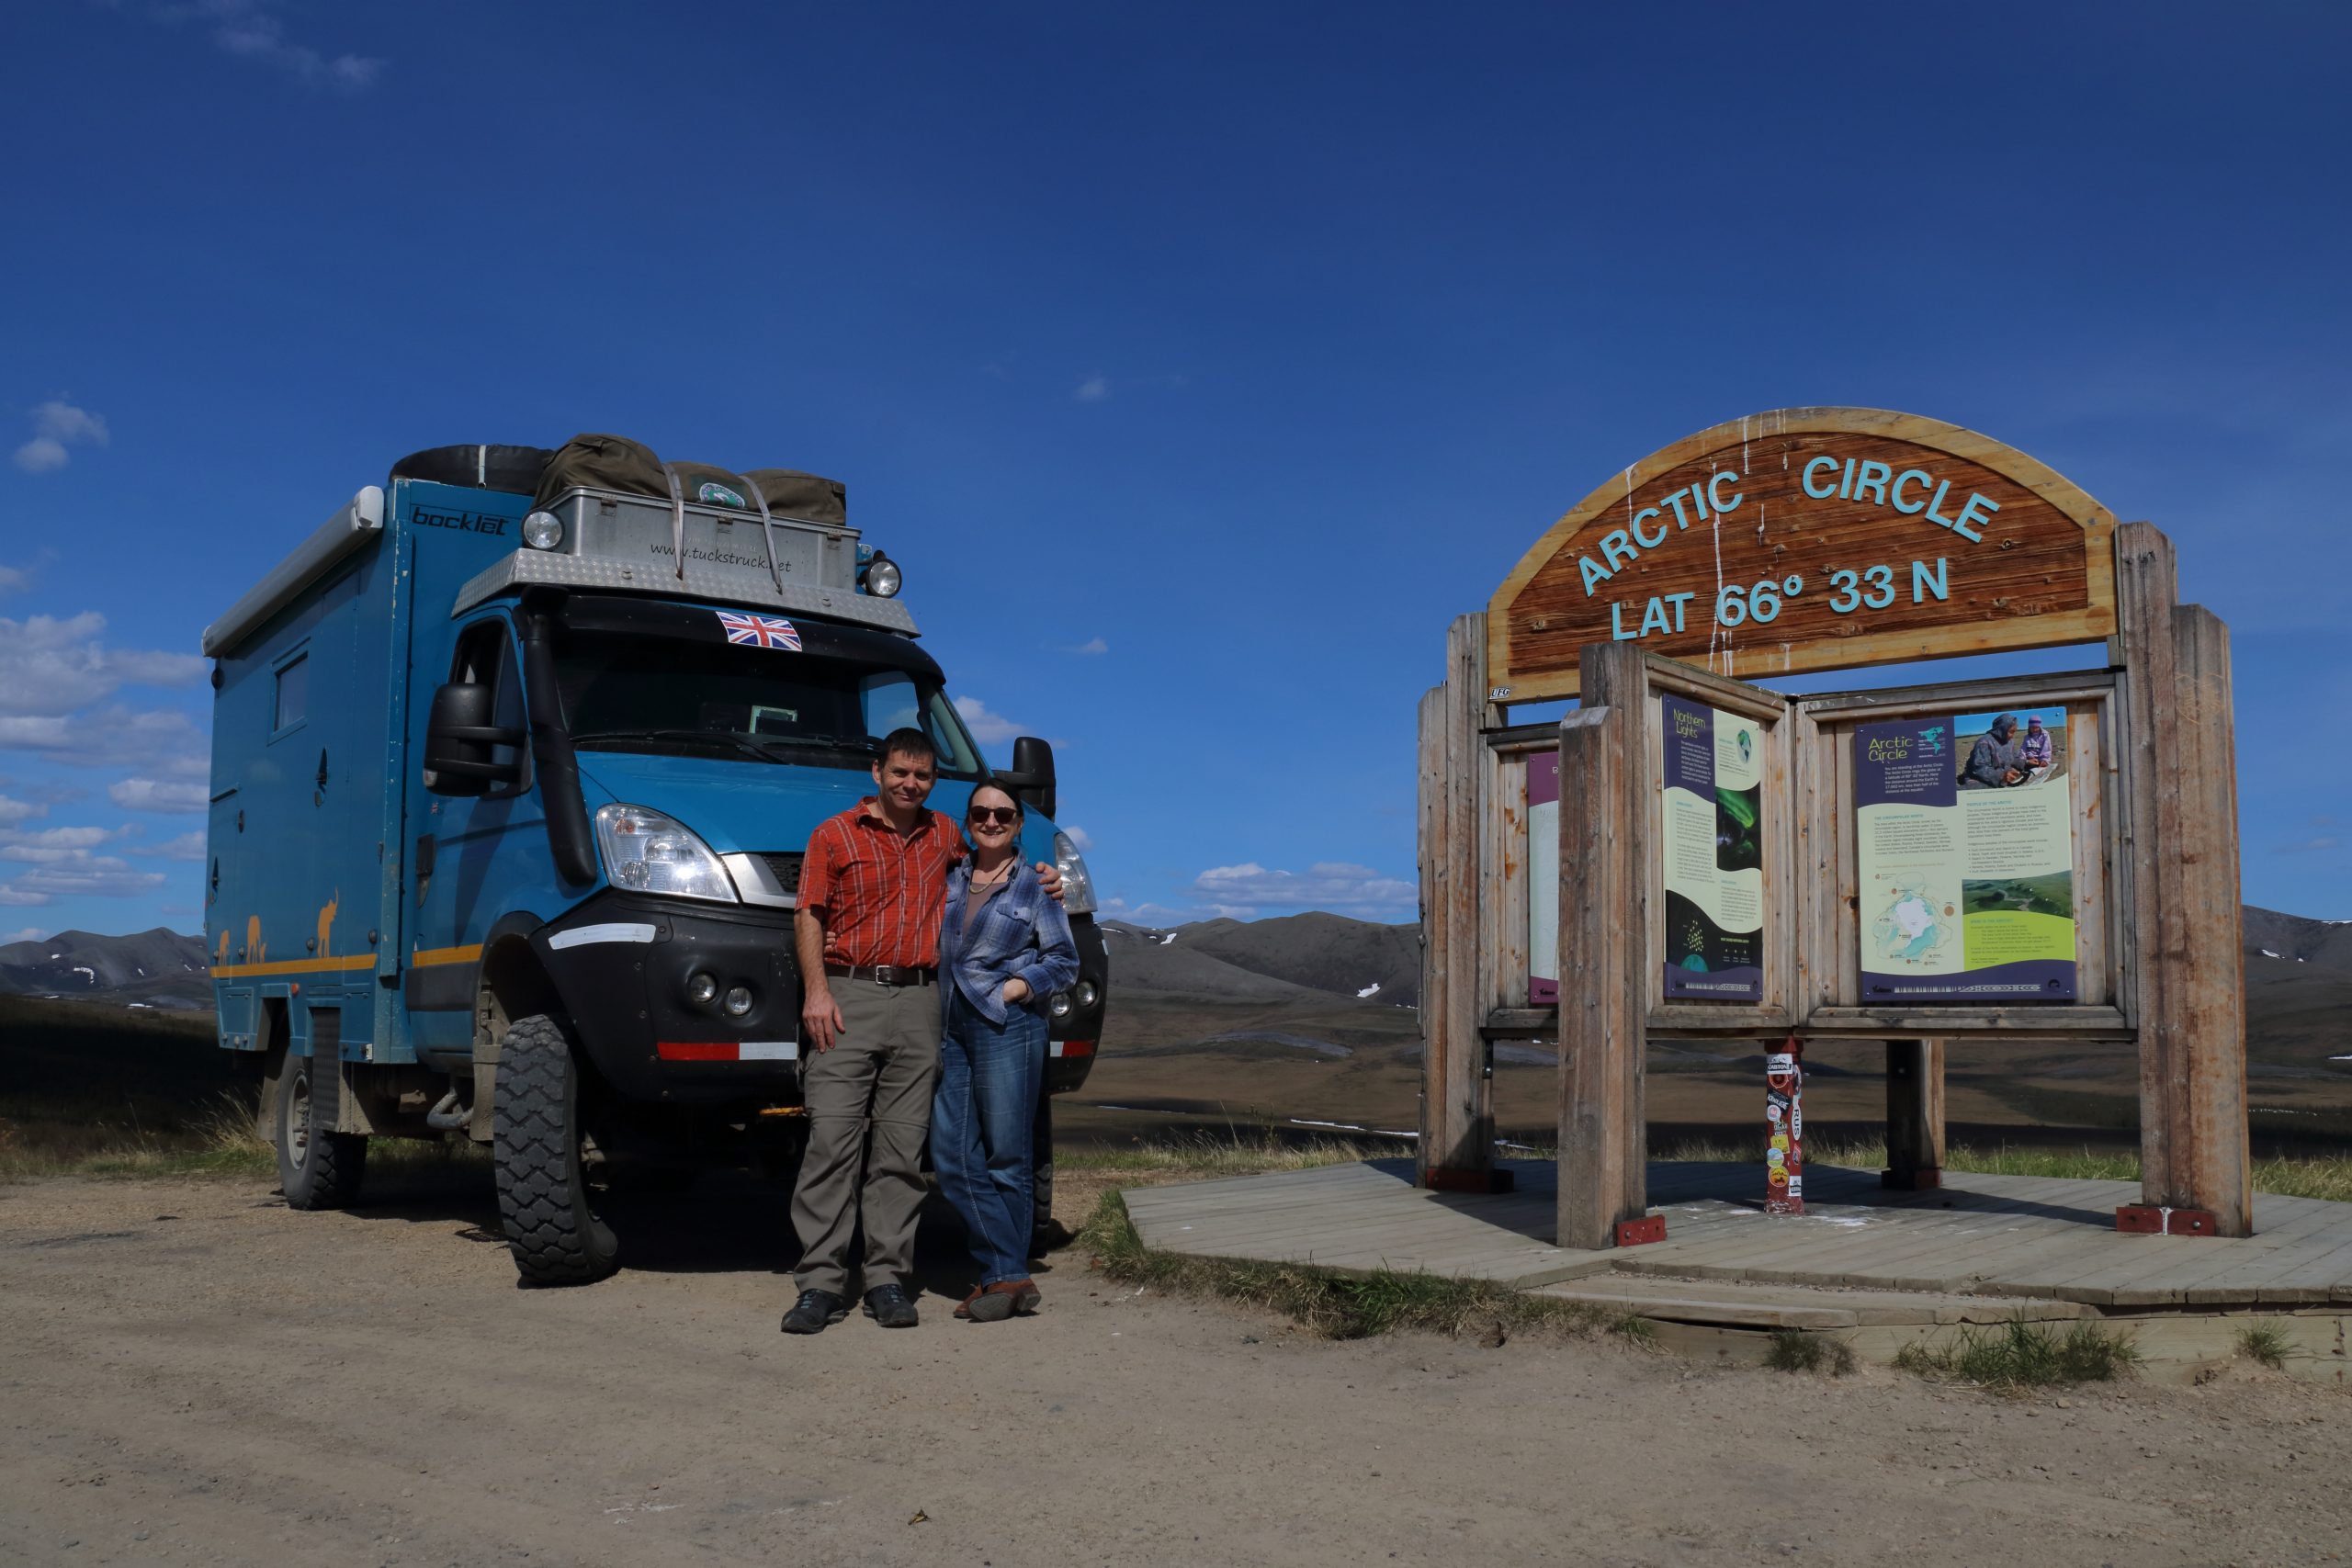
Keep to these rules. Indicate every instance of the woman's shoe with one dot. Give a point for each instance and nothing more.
(997, 1302)
(965, 1310)
(1026, 1297)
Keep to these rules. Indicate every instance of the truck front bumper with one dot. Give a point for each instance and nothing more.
(623, 964)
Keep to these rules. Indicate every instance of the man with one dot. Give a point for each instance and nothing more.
(1993, 760)
(873, 890)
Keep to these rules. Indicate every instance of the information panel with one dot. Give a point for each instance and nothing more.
(1711, 845)
(1965, 837)
(1543, 878)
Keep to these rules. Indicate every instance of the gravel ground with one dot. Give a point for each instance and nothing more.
(193, 1374)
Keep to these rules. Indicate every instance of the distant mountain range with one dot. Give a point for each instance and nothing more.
(158, 968)
(1288, 955)
(2299, 972)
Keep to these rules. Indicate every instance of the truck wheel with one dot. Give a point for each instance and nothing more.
(317, 1168)
(543, 1199)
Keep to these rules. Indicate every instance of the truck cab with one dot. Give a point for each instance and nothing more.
(513, 764)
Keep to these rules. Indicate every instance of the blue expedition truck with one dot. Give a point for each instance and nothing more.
(514, 761)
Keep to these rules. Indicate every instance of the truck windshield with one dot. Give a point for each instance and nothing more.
(672, 696)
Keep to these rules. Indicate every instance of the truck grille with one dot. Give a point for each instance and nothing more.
(785, 869)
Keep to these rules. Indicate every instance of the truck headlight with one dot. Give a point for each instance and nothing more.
(648, 853)
(1078, 887)
(543, 530)
(881, 577)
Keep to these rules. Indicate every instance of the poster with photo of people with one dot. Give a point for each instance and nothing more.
(1965, 838)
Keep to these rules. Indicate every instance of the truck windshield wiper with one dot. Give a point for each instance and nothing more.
(860, 744)
(744, 744)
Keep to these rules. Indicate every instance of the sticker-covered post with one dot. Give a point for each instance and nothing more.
(1784, 1129)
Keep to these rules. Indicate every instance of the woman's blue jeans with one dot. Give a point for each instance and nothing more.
(990, 1077)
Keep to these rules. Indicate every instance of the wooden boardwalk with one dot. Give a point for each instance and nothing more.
(1980, 1246)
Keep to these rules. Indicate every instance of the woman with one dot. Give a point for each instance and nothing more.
(1004, 947)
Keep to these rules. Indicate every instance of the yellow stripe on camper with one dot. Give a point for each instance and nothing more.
(427, 957)
(295, 967)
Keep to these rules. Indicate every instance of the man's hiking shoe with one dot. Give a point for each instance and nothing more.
(965, 1310)
(814, 1310)
(1003, 1299)
(888, 1305)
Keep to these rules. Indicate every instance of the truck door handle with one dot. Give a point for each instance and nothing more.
(322, 767)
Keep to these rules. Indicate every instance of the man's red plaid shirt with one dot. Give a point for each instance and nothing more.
(883, 892)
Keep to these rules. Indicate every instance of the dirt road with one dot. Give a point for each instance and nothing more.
(191, 1373)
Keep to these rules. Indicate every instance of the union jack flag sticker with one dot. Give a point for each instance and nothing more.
(760, 631)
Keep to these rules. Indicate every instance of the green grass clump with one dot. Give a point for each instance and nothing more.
(2023, 1356)
(1343, 1306)
(2267, 1343)
(1793, 1350)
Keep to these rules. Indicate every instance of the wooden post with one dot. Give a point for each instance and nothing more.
(2200, 938)
(2185, 984)
(1457, 1148)
(1914, 1114)
(1605, 1014)
(1616, 675)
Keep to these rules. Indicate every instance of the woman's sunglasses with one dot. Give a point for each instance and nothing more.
(1005, 815)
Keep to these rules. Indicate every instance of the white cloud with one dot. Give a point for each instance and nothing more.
(249, 29)
(1091, 647)
(14, 811)
(14, 580)
(1079, 836)
(51, 666)
(57, 425)
(28, 934)
(54, 846)
(1093, 389)
(187, 846)
(1250, 889)
(42, 455)
(152, 795)
(987, 728)
(2309, 846)
(154, 740)
(76, 874)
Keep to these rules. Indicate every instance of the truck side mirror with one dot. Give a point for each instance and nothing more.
(459, 739)
(1032, 774)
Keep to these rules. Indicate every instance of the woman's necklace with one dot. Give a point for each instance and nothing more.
(990, 878)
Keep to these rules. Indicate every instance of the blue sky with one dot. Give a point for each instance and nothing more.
(1200, 362)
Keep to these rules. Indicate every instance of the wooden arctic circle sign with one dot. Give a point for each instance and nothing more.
(1809, 539)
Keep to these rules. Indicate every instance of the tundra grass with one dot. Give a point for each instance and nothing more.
(2021, 1355)
(2307, 1176)
(216, 1138)
(1210, 1154)
(1344, 1306)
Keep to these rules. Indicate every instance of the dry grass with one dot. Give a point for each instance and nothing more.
(1793, 1350)
(215, 1139)
(1345, 1306)
(1210, 1154)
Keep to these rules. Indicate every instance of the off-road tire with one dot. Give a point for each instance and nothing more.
(544, 1204)
(316, 1170)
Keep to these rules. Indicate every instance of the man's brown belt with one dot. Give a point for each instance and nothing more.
(882, 973)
